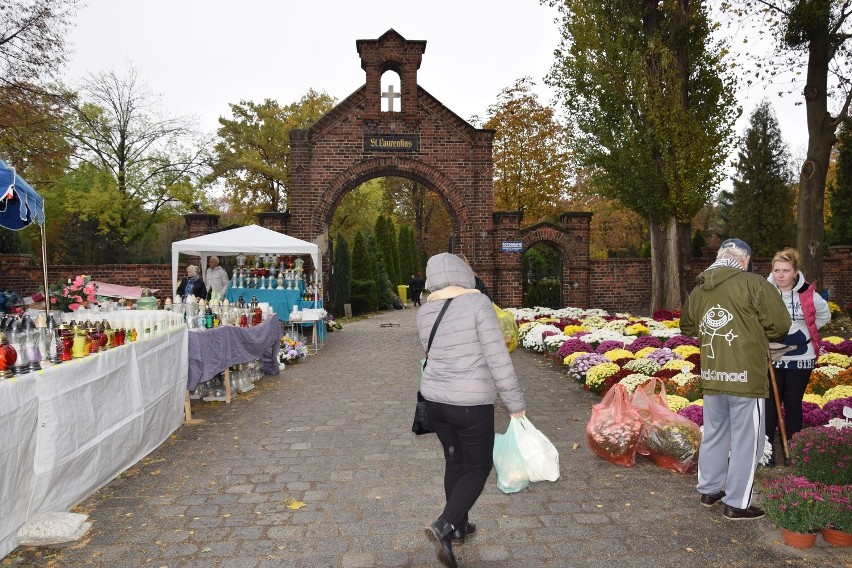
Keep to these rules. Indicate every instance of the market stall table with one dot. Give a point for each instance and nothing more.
(281, 301)
(94, 417)
(212, 351)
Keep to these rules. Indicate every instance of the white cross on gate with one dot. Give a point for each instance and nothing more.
(390, 96)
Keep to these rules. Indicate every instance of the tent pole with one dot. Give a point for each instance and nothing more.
(44, 268)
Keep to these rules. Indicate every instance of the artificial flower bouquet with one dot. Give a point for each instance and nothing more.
(613, 430)
(291, 350)
(70, 295)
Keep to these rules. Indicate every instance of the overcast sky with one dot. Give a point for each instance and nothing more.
(200, 55)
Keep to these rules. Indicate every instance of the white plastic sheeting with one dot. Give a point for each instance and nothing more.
(91, 419)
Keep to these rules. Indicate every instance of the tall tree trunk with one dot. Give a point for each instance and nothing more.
(810, 227)
(669, 250)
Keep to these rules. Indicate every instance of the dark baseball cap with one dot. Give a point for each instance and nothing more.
(741, 244)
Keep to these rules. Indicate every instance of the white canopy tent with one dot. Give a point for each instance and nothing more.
(252, 239)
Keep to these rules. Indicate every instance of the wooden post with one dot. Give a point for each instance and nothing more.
(187, 409)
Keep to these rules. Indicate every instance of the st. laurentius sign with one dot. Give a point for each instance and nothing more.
(392, 142)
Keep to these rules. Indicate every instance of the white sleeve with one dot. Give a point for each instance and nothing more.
(823, 313)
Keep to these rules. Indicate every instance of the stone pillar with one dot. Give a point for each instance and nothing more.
(507, 289)
(198, 224)
(275, 220)
(576, 281)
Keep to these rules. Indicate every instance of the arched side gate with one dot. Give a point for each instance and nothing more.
(571, 239)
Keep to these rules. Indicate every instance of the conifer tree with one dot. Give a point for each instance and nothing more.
(839, 229)
(341, 293)
(762, 201)
(384, 289)
(386, 241)
(409, 259)
(364, 292)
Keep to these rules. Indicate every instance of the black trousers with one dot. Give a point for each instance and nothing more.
(467, 434)
(792, 383)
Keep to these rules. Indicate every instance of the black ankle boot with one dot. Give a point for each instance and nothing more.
(440, 533)
(465, 530)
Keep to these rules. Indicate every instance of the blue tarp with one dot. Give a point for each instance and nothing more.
(20, 205)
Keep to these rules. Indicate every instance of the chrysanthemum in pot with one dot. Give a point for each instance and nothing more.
(795, 505)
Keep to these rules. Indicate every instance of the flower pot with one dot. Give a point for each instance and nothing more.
(797, 539)
(835, 537)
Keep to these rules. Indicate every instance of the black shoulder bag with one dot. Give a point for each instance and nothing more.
(422, 425)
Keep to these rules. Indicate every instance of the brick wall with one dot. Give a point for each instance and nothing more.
(19, 274)
(614, 284)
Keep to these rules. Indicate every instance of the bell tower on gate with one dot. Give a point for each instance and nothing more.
(391, 52)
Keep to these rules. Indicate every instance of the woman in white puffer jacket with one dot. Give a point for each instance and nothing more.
(468, 365)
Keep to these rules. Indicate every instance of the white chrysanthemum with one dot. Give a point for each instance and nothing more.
(533, 340)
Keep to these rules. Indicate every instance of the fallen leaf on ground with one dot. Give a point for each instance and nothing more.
(293, 504)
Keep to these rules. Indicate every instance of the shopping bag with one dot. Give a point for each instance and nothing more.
(421, 424)
(667, 438)
(509, 327)
(508, 461)
(541, 458)
(613, 430)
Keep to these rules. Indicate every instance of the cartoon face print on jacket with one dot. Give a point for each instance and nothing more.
(711, 326)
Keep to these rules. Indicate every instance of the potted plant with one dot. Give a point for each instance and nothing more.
(822, 454)
(838, 514)
(795, 505)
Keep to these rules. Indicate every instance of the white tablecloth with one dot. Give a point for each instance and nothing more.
(88, 420)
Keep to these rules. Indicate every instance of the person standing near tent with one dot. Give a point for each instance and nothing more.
(216, 277)
(192, 285)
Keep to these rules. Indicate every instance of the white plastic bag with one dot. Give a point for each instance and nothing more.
(541, 458)
(508, 461)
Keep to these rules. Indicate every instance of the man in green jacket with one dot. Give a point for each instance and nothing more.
(734, 314)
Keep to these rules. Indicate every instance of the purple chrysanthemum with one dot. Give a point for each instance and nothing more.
(644, 341)
(693, 412)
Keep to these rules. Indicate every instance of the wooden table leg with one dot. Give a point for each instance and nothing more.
(187, 409)
(228, 385)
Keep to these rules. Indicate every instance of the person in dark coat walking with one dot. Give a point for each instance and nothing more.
(415, 286)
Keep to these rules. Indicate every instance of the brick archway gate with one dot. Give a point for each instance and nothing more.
(415, 137)
(571, 239)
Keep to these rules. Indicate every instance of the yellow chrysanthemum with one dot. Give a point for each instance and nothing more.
(834, 308)
(686, 350)
(838, 359)
(699, 402)
(642, 353)
(672, 323)
(597, 374)
(833, 339)
(572, 329)
(840, 391)
(567, 360)
(814, 398)
(677, 402)
(636, 329)
(678, 365)
(614, 354)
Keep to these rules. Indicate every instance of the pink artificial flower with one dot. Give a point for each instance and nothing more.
(52, 300)
(78, 281)
(73, 307)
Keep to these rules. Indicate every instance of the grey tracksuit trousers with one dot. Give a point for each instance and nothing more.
(733, 426)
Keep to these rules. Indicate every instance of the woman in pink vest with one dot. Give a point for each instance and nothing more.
(794, 356)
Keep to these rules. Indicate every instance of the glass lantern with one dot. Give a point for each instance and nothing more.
(17, 338)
